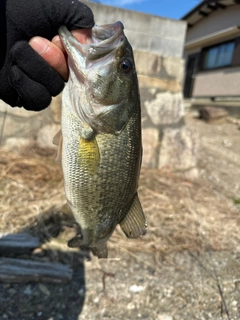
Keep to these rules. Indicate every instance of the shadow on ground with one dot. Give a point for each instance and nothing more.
(44, 300)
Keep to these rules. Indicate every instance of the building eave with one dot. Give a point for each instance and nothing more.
(223, 35)
(205, 8)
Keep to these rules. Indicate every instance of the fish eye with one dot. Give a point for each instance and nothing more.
(126, 66)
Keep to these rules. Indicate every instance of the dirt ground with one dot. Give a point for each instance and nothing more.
(187, 266)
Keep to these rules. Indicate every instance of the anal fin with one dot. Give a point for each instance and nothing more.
(66, 209)
(134, 225)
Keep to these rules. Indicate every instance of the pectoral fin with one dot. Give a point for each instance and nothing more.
(57, 140)
(86, 132)
(134, 224)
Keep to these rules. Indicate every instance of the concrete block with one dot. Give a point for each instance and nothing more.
(105, 14)
(166, 108)
(141, 24)
(168, 28)
(166, 47)
(174, 67)
(145, 32)
(138, 41)
(147, 63)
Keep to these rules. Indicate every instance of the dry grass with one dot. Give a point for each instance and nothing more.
(30, 183)
(181, 215)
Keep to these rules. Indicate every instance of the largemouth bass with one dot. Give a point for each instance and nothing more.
(101, 137)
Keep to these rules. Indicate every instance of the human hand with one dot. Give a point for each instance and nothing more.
(53, 51)
(25, 76)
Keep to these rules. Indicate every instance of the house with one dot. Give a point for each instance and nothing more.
(212, 50)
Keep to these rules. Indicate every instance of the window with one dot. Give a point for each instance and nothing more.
(219, 56)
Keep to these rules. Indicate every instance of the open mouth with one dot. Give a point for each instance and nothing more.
(105, 39)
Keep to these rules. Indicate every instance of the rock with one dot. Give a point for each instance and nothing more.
(135, 289)
(28, 290)
(211, 113)
(166, 108)
(44, 289)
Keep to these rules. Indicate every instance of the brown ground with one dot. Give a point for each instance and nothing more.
(186, 267)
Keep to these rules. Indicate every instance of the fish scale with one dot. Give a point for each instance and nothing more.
(101, 143)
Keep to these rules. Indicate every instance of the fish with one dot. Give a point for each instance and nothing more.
(101, 143)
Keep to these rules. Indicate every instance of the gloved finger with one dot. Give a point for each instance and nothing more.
(76, 15)
(33, 95)
(35, 67)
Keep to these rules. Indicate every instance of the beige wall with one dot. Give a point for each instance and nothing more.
(216, 21)
(147, 33)
(224, 82)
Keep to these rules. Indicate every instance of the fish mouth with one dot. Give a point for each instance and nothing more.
(105, 39)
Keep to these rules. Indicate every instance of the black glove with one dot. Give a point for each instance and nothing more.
(26, 79)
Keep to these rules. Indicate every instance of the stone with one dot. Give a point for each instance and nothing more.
(178, 151)
(166, 108)
(211, 114)
(136, 289)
